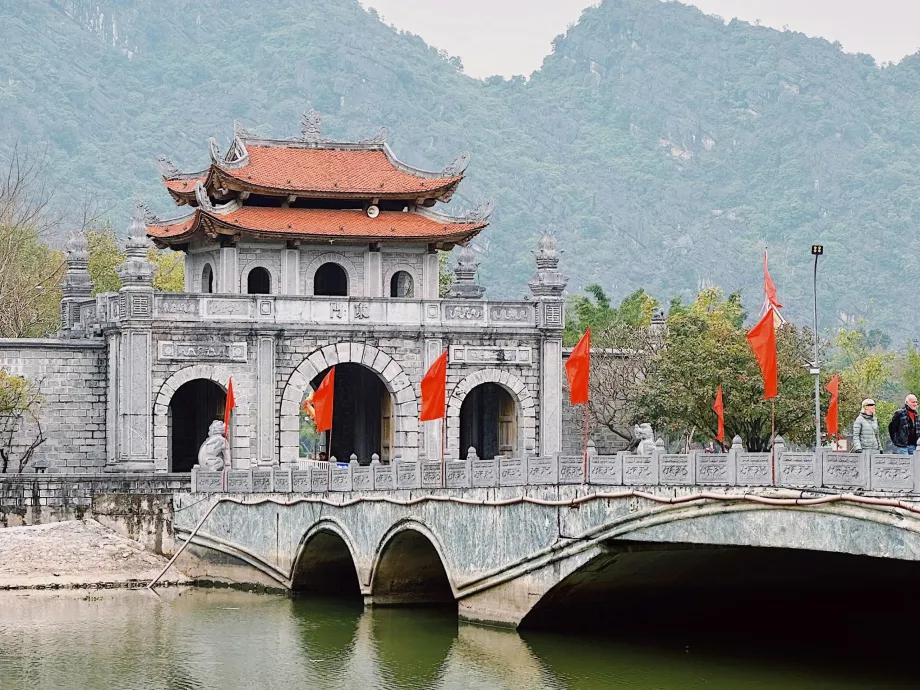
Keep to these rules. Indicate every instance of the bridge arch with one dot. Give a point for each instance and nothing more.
(524, 403)
(162, 427)
(326, 562)
(409, 568)
(387, 369)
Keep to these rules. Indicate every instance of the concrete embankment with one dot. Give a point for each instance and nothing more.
(76, 553)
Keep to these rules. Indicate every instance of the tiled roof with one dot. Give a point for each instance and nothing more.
(322, 223)
(184, 186)
(332, 171)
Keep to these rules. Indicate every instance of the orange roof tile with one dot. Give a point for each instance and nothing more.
(184, 186)
(175, 229)
(332, 171)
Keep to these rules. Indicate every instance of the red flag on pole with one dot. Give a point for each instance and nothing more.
(228, 406)
(833, 387)
(768, 287)
(577, 370)
(719, 409)
(323, 401)
(763, 341)
(434, 388)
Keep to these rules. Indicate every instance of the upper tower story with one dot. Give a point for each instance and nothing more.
(313, 216)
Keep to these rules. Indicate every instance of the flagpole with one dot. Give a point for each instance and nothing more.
(585, 475)
(772, 436)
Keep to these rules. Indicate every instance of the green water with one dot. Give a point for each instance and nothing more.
(227, 639)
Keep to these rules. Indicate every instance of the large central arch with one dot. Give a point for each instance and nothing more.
(396, 381)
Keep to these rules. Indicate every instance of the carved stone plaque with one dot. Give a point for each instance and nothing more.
(239, 481)
(431, 475)
(484, 472)
(362, 478)
(571, 469)
(846, 470)
(640, 469)
(341, 477)
(714, 468)
(281, 478)
(543, 470)
(218, 307)
(511, 471)
(463, 312)
(753, 469)
(408, 474)
(300, 481)
(605, 469)
(181, 307)
(893, 472)
(512, 313)
(457, 474)
(209, 482)
(319, 477)
(196, 352)
(262, 481)
(676, 468)
(470, 354)
(384, 478)
(798, 469)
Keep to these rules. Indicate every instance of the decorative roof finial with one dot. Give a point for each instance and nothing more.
(77, 247)
(457, 166)
(548, 281)
(464, 285)
(136, 269)
(311, 126)
(167, 168)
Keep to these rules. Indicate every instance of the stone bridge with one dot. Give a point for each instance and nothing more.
(502, 551)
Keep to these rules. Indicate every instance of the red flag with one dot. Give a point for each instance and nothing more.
(719, 409)
(763, 341)
(833, 387)
(577, 370)
(768, 287)
(323, 401)
(230, 404)
(434, 387)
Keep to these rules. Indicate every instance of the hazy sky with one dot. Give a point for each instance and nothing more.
(510, 37)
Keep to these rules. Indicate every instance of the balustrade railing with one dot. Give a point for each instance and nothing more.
(825, 469)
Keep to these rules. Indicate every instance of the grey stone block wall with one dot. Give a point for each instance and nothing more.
(71, 375)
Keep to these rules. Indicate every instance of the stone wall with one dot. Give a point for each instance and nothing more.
(71, 375)
(31, 499)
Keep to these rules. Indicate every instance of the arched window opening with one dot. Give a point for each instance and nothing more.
(207, 279)
(259, 282)
(488, 422)
(192, 409)
(401, 284)
(330, 281)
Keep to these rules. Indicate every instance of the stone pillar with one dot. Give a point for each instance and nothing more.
(290, 271)
(547, 286)
(373, 273)
(77, 286)
(430, 273)
(228, 282)
(265, 439)
(432, 430)
(134, 360)
(465, 286)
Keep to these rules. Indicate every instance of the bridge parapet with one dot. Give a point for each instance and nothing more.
(806, 470)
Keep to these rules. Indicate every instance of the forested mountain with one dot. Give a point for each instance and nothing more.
(664, 146)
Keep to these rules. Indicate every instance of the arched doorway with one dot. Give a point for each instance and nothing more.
(362, 416)
(191, 410)
(488, 422)
(207, 279)
(330, 281)
(258, 282)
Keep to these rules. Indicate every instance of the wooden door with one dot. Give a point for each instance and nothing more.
(386, 427)
(507, 424)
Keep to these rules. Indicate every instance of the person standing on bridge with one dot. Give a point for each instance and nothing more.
(904, 427)
(865, 428)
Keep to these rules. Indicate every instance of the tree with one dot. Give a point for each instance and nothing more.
(19, 401)
(704, 347)
(105, 256)
(445, 275)
(598, 314)
(866, 366)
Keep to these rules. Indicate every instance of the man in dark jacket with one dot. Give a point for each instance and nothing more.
(904, 427)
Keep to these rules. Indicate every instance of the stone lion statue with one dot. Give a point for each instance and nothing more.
(644, 433)
(214, 454)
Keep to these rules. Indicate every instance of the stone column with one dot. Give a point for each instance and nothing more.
(547, 286)
(265, 439)
(77, 286)
(290, 271)
(134, 360)
(430, 277)
(228, 282)
(373, 273)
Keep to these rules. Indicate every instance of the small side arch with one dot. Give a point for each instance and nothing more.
(410, 569)
(347, 265)
(527, 407)
(209, 372)
(326, 562)
(274, 281)
(396, 268)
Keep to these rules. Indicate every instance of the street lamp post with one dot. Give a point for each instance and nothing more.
(817, 250)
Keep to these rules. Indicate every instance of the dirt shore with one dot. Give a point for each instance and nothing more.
(76, 553)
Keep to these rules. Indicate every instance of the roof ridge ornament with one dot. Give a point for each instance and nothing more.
(240, 131)
(479, 213)
(167, 168)
(379, 138)
(214, 150)
(201, 196)
(457, 166)
(150, 218)
(311, 126)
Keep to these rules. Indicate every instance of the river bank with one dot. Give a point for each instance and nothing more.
(77, 554)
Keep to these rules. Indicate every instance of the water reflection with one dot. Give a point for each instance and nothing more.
(227, 639)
